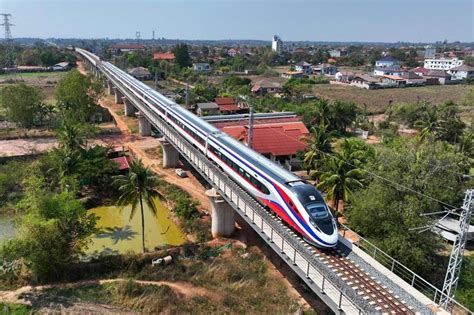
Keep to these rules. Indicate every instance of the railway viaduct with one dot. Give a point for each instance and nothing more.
(354, 278)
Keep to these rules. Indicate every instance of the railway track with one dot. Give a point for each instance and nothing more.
(368, 287)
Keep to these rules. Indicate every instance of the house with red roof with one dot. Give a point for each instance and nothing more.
(168, 56)
(420, 71)
(227, 105)
(279, 139)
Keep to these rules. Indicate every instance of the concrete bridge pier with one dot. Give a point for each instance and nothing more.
(110, 88)
(118, 96)
(170, 154)
(222, 216)
(144, 126)
(128, 107)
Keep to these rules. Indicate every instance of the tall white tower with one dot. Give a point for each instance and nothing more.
(277, 44)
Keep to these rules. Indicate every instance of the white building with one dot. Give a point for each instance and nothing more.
(462, 72)
(442, 63)
(303, 67)
(277, 44)
(387, 62)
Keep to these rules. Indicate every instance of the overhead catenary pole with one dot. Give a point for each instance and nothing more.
(455, 260)
(250, 133)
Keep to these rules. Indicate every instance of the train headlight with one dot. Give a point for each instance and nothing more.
(314, 224)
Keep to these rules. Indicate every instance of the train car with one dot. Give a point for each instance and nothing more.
(295, 201)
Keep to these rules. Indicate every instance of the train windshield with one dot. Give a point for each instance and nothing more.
(317, 210)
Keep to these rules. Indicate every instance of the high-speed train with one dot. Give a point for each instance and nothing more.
(295, 201)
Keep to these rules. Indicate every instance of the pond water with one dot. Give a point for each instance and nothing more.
(7, 228)
(119, 234)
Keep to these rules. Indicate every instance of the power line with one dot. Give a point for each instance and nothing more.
(389, 181)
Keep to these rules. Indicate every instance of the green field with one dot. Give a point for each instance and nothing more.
(33, 75)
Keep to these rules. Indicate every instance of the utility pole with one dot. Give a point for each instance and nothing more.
(455, 260)
(187, 96)
(10, 49)
(250, 133)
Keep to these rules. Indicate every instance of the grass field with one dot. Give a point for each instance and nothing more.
(34, 75)
(377, 101)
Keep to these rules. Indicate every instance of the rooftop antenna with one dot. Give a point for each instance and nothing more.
(10, 49)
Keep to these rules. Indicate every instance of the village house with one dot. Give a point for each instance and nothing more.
(140, 73)
(393, 81)
(168, 56)
(388, 71)
(303, 67)
(364, 81)
(324, 69)
(344, 76)
(279, 138)
(62, 66)
(462, 72)
(412, 78)
(263, 87)
(227, 105)
(207, 109)
(232, 52)
(202, 67)
(442, 76)
(292, 74)
(388, 62)
(421, 71)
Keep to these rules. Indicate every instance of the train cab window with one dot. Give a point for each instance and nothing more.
(317, 210)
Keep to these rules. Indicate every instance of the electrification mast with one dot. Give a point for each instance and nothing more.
(10, 49)
(455, 260)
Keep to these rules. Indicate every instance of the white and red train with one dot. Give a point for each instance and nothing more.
(295, 201)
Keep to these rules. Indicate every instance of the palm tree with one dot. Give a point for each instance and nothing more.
(318, 145)
(138, 187)
(430, 123)
(341, 173)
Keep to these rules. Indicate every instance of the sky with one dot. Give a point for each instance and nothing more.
(292, 20)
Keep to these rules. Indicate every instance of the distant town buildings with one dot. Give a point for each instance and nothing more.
(442, 63)
(114, 49)
(277, 44)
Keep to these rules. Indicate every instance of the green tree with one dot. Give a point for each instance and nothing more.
(344, 114)
(341, 173)
(53, 233)
(181, 54)
(465, 289)
(23, 104)
(318, 145)
(136, 188)
(385, 213)
(77, 96)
